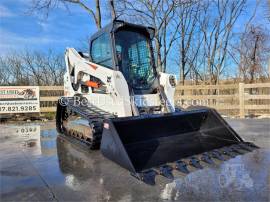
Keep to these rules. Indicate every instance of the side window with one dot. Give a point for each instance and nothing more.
(101, 52)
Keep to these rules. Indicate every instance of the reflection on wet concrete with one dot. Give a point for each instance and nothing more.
(59, 168)
(240, 179)
(89, 171)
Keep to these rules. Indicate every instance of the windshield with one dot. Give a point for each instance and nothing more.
(134, 58)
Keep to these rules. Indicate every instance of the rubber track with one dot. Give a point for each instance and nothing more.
(91, 113)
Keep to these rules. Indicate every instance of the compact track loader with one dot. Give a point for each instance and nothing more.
(117, 101)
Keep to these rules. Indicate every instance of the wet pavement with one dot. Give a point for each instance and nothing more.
(38, 165)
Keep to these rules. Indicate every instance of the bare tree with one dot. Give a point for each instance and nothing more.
(157, 14)
(32, 68)
(4, 76)
(189, 41)
(217, 31)
(44, 68)
(47, 5)
(13, 70)
(254, 53)
(197, 35)
(112, 8)
(268, 10)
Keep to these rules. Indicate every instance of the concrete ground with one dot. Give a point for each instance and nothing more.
(36, 165)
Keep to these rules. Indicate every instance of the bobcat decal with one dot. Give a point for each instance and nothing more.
(27, 93)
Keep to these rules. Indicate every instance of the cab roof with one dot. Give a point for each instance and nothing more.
(116, 25)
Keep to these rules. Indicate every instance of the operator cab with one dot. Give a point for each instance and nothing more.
(127, 47)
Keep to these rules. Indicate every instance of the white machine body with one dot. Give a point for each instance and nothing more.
(115, 96)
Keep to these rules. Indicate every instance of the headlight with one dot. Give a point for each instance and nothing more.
(172, 80)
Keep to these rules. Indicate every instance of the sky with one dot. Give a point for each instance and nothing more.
(20, 30)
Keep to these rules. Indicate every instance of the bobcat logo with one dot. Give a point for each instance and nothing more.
(27, 94)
